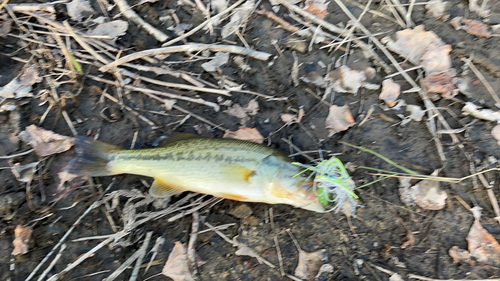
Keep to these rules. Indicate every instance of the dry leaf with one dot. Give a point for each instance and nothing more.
(240, 62)
(416, 112)
(239, 112)
(475, 7)
(339, 119)
(473, 27)
(390, 92)
(113, 29)
(24, 173)
(317, 8)
(218, 5)
(239, 16)
(244, 133)
(14, 89)
(428, 195)
(437, 9)
(221, 58)
(436, 59)
(460, 255)
(22, 238)
(252, 107)
(412, 44)
(30, 76)
(177, 266)
(310, 263)
(347, 80)
(442, 83)
(45, 142)
(482, 245)
(79, 9)
(484, 114)
(496, 133)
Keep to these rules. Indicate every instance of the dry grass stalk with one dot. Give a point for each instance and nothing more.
(127, 11)
(187, 48)
(335, 29)
(203, 24)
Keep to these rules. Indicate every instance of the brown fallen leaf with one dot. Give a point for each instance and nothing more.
(244, 133)
(30, 76)
(252, 108)
(177, 265)
(22, 237)
(317, 8)
(412, 44)
(496, 133)
(293, 118)
(24, 173)
(239, 112)
(436, 59)
(45, 142)
(427, 194)
(460, 255)
(390, 92)
(310, 263)
(437, 8)
(347, 80)
(473, 27)
(482, 245)
(442, 83)
(339, 119)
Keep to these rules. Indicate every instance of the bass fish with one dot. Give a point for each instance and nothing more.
(225, 168)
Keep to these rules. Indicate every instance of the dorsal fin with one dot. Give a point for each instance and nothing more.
(160, 189)
(177, 137)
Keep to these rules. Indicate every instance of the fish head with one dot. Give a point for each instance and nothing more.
(294, 191)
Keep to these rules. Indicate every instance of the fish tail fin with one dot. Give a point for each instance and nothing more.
(93, 158)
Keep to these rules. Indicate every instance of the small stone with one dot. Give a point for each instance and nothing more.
(241, 211)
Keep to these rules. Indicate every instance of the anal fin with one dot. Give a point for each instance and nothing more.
(160, 189)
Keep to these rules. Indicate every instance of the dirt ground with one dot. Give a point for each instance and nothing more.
(357, 247)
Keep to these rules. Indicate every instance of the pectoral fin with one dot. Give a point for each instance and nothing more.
(160, 189)
(237, 172)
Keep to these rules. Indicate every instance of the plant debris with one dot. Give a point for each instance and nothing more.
(22, 238)
(177, 265)
(45, 142)
(244, 133)
(390, 92)
(310, 263)
(473, 27)
(484, 114)
(339, 119)
(427, 194)
(483, 247)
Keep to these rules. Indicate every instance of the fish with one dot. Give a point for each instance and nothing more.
(226, 168)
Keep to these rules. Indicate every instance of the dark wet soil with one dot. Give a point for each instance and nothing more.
(374, 236)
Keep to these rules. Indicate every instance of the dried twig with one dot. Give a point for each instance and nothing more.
(191, 255)
(187, 48)
(127, 11)
(483, 80)
(90, 208)
(203, 24)
(333, 28)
